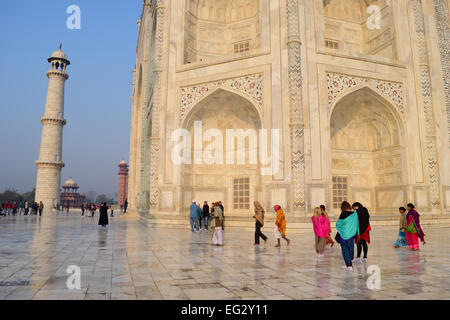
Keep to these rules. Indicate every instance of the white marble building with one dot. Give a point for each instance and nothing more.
(358, 89)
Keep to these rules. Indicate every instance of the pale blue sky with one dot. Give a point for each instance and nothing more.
(97, 100)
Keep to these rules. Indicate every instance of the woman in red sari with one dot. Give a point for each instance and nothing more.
(414, 231)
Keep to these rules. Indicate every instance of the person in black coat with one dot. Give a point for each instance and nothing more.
(205, 215)
(103, 221)
(363, 239)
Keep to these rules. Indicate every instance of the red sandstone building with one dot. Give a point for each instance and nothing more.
(123, 183)
(70, 196)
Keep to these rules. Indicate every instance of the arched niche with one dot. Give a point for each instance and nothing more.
(236, 185)
(367, 152)
(360, 26)
(217, 29)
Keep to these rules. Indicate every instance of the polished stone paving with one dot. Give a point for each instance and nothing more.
(131, 261)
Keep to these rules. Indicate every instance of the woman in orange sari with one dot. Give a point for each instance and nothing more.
(280, 226)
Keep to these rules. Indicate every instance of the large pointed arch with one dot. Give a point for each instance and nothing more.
(219, 90)
(367, 158)
(223, 109)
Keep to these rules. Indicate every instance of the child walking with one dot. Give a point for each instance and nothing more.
(401, 239)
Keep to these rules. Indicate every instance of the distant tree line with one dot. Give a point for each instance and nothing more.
(14, 196)
(10, 195)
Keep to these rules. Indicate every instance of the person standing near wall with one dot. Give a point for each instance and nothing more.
(217, 238)
(205, 215)
(195, 215)
(41, 208)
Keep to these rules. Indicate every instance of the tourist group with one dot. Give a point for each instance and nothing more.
(353, 227)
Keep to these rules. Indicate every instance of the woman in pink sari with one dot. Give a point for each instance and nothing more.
(414, 231)
(321, 226)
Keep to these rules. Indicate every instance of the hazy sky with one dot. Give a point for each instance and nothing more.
(97, 100)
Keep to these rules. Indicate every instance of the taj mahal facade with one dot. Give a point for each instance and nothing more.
(358, 90)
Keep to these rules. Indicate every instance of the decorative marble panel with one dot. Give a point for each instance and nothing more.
(337, 84)
(443, 30)
(250, 85)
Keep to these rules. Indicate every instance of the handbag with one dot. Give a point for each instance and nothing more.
(338, 238)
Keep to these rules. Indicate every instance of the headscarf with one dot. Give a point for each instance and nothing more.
(348, 225)
(276, 208)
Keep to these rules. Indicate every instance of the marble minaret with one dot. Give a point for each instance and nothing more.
(50, 158)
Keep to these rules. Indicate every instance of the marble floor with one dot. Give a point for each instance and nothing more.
(131, 261)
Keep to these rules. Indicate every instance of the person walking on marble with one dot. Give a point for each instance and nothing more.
(347, 227)
(216, 225)
(195, 215)
(403, 225)
(27, 208)
(321, 226)
(82, 209)
(93, 209)
(103, 220)
(259, 223)
(363, 239)
(414, 230)
(41, 208)
(280, 226)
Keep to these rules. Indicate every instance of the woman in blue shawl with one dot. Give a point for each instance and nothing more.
(347, 227)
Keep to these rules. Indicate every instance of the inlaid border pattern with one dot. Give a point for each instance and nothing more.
(441, 12)
(249, 85)
(339, 83)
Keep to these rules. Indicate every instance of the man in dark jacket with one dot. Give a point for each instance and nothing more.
(205, 215)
